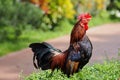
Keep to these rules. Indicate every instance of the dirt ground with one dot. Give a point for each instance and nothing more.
(105, 40)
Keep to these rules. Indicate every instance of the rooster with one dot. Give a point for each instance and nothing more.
(71, 60)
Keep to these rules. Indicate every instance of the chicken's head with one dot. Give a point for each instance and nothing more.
(84, 19)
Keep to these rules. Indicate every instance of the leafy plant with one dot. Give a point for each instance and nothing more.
(114, 8)
(107, 71)
(59, 10)
(17, 15)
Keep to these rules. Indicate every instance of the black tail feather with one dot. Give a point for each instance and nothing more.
(43, 52)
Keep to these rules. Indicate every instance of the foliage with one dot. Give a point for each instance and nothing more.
(17, 15)
(14, 15)
(92, 6)
(114, 8)
(36, 35)
(107, 71)
(55, 10)
(58, 10)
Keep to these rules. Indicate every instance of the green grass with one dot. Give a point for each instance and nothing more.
(30, 36)
(106, 71)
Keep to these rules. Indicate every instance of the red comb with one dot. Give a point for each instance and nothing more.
(86, 15)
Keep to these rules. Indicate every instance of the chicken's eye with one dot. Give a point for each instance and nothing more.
(81, 25)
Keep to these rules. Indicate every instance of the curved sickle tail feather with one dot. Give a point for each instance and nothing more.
(43, 53)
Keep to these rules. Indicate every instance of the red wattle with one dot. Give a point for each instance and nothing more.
(86, 27)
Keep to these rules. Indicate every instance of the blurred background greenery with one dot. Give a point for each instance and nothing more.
(26, 21)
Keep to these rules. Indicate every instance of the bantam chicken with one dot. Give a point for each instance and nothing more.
(71, 60)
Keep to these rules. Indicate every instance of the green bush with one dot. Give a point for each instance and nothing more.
(114, 9)
(17, 13)
(107, 71)
(16, 16)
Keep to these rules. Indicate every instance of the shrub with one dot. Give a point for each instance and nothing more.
(15, 15)
(114, 8)
(107, 71)
(59, 10)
